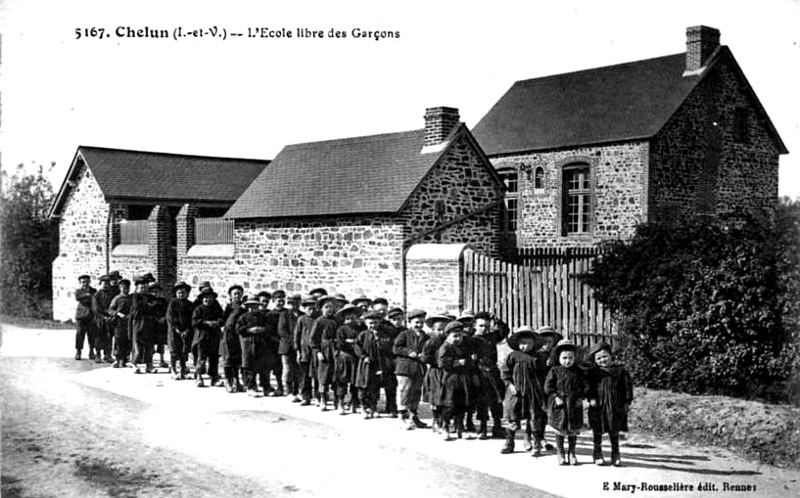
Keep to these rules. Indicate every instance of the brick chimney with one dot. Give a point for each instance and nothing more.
(439, 122)
(701, 42)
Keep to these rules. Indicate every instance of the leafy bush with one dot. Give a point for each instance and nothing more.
(707, 307)
(29, 244)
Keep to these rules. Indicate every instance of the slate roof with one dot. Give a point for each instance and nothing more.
(159, 177)
(371, 174)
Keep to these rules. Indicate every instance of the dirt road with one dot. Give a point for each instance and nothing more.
(72, 429)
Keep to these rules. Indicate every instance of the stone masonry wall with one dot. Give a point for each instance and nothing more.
(698, 167)
(343, 254)
(618, 200)
(82, 242)
(461, 184)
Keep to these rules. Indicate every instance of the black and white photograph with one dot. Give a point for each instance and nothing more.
(399, 249)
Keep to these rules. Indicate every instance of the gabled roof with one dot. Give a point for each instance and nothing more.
(371, 174)
(606, 104)
(138, 176)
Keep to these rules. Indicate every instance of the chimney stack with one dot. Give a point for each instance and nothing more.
(439, 122)
(701, 42)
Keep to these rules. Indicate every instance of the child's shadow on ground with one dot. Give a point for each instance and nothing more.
(659, 461)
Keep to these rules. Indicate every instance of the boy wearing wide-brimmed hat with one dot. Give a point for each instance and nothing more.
(207, 323)
(409, 368)
(457, 362)
(565, 387)
(523, 388)
(610, 395)
(179, 329)
(346, 360)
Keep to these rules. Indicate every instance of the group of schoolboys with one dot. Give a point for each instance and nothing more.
(325, 348)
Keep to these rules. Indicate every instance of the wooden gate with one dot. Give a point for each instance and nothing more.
(536, 292)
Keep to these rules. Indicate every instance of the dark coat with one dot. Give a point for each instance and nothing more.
(460, 380)
(302, 338)
(207, 323)
(433, 383)
(404, 344)
(568, 384)
(143, 318)
(611, 388)
(251, 328)
(323, 340)
(520, 370)
(492, 387)
(179, 322)
(84, 308)
(370, 361)
(122, 305)
(160, 308)
(229, 348)
(286, 324)
(346, 360)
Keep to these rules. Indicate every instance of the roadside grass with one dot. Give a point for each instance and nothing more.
(35, 323)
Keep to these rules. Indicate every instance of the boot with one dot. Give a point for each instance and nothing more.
(91, 353)
(323, 402)
(527, 438)
(406, 421)
(537, 447)
(616, 461)
(77, 354)
(508, 447)
(497, 429)
(460, 427)
(470, 424)
(446, 431)
(573, 440)
(184, 371)
(597, 451)
(419, 424)
(482, 431)
(560, 448)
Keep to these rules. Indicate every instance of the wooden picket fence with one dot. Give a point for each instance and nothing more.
(538, 290)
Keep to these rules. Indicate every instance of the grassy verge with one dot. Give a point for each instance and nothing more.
(768, 433)
(34, 323)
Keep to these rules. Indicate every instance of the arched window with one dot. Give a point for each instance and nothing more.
(538, 178)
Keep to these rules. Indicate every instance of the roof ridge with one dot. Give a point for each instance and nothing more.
(588, 70)
(358, 139)
(174, 154)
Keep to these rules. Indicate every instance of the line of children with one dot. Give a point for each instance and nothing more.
(323, 345)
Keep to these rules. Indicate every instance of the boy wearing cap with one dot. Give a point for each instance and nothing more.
(101, 300)
(291, 369)
(160, 304)
(84, 319)
(566, 387)
(409, 369)
(489, 399)
(432, 384)
(275, 361)
(456, 360)
(305, 355)
(179, 329)
(523, 388)
(206, 321)
(142, 326)
(323, 345)
(251, 329)
(388, 333)
(346, 360)
(230, 351)
(370, 363)
(120, 309)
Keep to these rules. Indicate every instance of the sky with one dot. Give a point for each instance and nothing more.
(250, 96)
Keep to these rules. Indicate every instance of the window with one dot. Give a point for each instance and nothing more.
(510, 179)
(740, 125)
(577, 200)
(538, 178)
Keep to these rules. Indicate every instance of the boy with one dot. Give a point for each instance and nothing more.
(345, 359)
(292, 377)
(490, 398)
(323, 344)
(565, 386)
(523, 387)
(179, 329)
(370, 364)
(101, 300)
(251, 329)
(141, 326)
(610, 396)
(84, 319)
(433, 387)
(409, 369)
(305, 355)
(275, 365)
(455, 359)
(120, 309)
(229, 348)
(206, 321)
(159, 303)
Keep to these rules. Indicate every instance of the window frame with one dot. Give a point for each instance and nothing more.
(510, 222)
(588, 203)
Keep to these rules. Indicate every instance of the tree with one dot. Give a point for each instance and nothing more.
(29, 244)
(707, 307)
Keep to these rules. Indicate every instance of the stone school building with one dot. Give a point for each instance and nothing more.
(561, 161)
